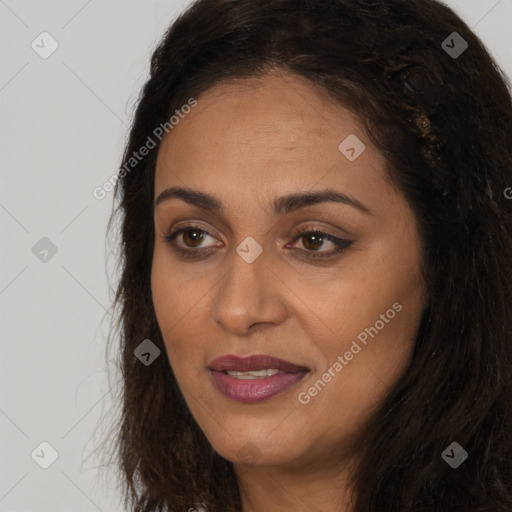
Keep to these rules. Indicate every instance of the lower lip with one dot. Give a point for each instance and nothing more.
(250, 391)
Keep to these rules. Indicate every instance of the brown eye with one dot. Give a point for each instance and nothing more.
(313, 240)
(192, 237)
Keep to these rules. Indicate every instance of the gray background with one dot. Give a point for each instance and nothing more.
(64, 121)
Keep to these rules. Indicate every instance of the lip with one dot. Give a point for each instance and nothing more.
(254, 390)
(256, 362)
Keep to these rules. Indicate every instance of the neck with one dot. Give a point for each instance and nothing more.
(295, 489)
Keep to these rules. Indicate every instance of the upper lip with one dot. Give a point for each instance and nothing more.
(250, 363)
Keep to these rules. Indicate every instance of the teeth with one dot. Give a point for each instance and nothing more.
(254, 374)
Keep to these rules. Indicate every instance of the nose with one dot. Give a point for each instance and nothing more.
(249, 296)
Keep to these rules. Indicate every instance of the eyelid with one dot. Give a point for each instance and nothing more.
(315, 228)
(171, 236)
(340, 243)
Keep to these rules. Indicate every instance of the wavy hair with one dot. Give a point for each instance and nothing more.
(444, 125)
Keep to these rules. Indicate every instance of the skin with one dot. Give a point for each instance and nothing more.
(248, 142)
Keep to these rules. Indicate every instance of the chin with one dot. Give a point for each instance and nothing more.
(258, 448)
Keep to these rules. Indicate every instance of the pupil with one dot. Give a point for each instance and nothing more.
(313, 240)
(196, 238)
(316, 240)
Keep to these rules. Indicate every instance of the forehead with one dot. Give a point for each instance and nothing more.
(279, 110)
(265, 137)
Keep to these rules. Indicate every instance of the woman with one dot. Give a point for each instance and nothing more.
(315, 305)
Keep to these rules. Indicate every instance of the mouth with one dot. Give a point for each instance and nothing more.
(255, 378)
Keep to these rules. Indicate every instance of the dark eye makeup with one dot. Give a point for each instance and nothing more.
(313, 237)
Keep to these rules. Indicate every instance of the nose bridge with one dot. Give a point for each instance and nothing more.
(244, 296)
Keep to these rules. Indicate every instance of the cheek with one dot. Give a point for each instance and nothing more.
(371, 321)
(362, 299)
(169, 301)
(173, 293)
(367, 371)
(162, 291)
(179, 307)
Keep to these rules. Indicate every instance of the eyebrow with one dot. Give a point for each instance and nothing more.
(280, 206)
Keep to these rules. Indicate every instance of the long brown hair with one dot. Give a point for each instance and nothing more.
(444, 123)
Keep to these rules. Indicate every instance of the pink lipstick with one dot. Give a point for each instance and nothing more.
(255, 378)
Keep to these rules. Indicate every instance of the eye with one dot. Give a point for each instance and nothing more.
(191, 236)
(313, 240)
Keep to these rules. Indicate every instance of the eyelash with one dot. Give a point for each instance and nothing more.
(196, 253)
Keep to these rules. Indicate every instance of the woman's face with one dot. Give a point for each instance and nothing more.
(341, 305)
